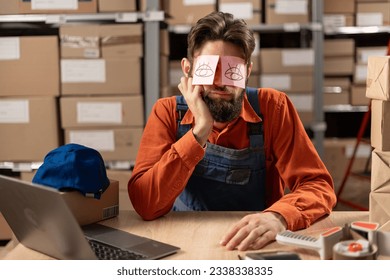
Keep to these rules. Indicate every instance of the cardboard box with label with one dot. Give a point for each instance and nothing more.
(101, 76)
(188, 12)
(30, 128)
(285, 11)
(248, 10)
(288, 83)
(32, 60)
(373, 14)
(88, 210)
(114, 144)
(80, 41)
(98, 111)
(101, 40)
(378, 77)
(293, 60)
(57, 7)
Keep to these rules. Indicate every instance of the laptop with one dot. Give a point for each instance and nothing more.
(41, 220)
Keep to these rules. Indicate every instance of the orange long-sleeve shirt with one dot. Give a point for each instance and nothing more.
(164, 164)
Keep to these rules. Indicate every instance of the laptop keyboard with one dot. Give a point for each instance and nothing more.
(107, 252)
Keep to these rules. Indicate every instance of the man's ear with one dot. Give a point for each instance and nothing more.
(249, 70)
(186, 67)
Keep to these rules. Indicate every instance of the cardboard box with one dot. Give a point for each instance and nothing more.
(80, 41)
(380, 124)
(114, 144)
(288, 82)
(358, 96)
(248, 10)
(8, 7)
(121, 40)
(284, 11)
(338, 20)
(101, 76)
(5, 230)
(339, 47)
(336, 98)
(372, 14)
(64, 7)
(188, 12)
(363, 53)
(123, 176)
(101, 40)
(286, 61)
(380, 171)
(29, 66)
(339, 7)
(339, 65)
(116, 111)
(117, 5)
(378, 77)
(88, 210)
(379, 209)
(30, 128)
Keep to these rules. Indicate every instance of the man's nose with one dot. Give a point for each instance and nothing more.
(218, 75)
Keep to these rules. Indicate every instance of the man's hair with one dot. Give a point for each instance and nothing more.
(221, 26)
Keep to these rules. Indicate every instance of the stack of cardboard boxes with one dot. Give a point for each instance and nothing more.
(378, 89)
(29, 88)
(290, 70)
(101, 102)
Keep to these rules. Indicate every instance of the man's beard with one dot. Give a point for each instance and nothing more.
(223, 110)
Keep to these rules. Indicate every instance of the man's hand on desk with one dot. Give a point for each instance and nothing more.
(254, 231)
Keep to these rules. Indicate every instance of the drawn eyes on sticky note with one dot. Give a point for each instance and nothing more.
(204, 70)
(233, 70)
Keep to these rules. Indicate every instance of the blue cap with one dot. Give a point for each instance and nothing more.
(74, 167)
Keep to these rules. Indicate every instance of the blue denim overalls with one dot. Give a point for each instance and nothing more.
(226, 179)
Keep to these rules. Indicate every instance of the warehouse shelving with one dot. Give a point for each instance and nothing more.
(151, 19)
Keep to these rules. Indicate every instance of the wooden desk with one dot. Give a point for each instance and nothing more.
(198, 233)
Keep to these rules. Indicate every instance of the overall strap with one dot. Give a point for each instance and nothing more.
(254, 128)
(181, 109)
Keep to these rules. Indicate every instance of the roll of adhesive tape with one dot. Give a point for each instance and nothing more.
(354, 250)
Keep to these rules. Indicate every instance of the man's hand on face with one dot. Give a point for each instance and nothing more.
(203, 119)
(254, 231)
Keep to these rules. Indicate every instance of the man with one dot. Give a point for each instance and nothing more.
(218, 147)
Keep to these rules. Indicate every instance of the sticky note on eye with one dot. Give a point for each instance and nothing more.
(204, 71)
(233, 70)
